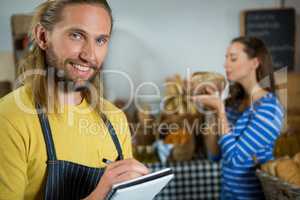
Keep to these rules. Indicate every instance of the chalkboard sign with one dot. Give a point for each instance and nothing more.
(276, 27)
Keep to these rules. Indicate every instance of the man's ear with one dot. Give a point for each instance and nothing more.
(41, 36)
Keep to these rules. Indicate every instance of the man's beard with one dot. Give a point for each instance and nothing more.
(61, 77)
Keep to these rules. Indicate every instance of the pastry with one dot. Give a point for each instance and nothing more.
(288, 170)
(179, 137)
(202, 80)
(296, 158)
(270, 167)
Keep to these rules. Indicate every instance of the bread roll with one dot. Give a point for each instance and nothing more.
(270, 167)
(296, 158)
(174, 85)
(201, 80)
(179, 137)
(288, 170)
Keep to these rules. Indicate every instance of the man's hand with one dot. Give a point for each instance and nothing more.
(117, 172)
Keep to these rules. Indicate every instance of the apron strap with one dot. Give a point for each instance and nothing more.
(44, 122)
(114, 136)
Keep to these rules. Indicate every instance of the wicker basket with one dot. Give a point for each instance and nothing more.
(276, 189)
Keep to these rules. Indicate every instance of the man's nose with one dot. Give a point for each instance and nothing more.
(88, 52)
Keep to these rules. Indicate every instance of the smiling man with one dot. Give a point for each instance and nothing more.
(44, 150)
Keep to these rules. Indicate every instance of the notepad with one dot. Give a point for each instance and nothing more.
(142, 188)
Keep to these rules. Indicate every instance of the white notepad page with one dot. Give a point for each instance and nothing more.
(147, 188)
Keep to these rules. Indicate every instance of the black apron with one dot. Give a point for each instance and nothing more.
(68, 180)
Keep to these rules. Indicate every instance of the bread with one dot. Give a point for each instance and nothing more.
(288, 170)
(284, 168)
(179, 137)
(176, 101)
(201, 80)
(296, 158)
(174, 85)
(183, 152)
(178, 91)
(269, 167)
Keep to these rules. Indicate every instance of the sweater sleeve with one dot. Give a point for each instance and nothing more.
(13, 167)
(232, 116)
(261, 132)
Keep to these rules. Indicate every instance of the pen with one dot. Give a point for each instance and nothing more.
(106, 161)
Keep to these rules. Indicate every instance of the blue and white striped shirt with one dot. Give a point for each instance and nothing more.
(250, 141)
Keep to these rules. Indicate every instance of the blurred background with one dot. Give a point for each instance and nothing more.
(153, 39)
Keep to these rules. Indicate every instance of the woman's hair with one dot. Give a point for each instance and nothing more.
(254, 48)
(48, 14)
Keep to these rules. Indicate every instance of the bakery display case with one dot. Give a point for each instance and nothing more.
(175, 134)
(174, 137)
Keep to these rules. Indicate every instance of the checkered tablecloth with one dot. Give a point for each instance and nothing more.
(197, 179)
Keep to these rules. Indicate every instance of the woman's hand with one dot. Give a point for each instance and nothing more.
(210, 99)
(117, 172)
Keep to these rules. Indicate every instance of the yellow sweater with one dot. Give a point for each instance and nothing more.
(79, 136)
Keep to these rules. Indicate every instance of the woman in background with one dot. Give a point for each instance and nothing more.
(249, 122)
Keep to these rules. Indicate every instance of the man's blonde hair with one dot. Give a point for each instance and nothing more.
(47, 15)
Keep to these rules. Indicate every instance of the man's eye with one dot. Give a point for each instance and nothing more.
(76, 36)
